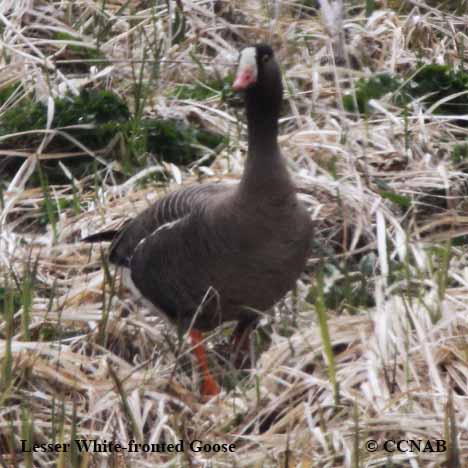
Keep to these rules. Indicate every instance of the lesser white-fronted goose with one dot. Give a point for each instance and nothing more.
(212, 253)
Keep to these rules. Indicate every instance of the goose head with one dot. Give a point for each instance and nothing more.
(259, 76)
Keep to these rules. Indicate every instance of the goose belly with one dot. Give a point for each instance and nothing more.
(138, 296)
(265, 276)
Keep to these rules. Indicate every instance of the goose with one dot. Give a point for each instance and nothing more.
(217, 252)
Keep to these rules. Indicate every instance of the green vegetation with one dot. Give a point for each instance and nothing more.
(50, 209)
(459, 154)
(349, 286)
(179, 26)
(79, 52)
(437, 82)
(10, 299)
(457, 7)
(307, 7)
(99, 117)
(7, 91)
(433, 83)
(100, 110)
(201, 90)
(177, 142)
(376, 326)
(321, 311)
(386, 192)
(367, 89)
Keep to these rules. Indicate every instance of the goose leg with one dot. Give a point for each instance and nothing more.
(240, 338)
(240, 342)
(209, 385)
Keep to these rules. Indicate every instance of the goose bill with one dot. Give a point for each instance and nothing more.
(247, 71)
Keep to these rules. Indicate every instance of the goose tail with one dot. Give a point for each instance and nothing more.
(104, 236)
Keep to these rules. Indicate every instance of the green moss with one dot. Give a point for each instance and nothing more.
(372, 88)
(201, 90)
(460, 241)
(102, 109)
(432, 83)
(436, 82)
(92, 106)
(459, 153)
(79, 52)
(173, 141)
(459, 156)
(107, 116)
(29, 116)
(349, 285)
(7, 91)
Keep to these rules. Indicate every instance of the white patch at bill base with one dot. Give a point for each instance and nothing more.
(248, 59)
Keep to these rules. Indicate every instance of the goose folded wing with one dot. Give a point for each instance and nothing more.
(171, 269)
(168, 209)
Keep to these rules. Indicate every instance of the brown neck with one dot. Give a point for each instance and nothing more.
(265, 171)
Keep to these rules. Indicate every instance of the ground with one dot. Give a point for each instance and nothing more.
(104, 106)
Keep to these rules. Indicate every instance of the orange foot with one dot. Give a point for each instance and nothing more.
(209, 385)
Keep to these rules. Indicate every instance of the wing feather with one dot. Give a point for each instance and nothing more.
(172, 207)
(174, 280)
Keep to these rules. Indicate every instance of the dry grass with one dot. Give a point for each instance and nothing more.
(79, 360)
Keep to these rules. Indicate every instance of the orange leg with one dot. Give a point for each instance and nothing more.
(209, 385)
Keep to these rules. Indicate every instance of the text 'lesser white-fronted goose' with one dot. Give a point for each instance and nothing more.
(212, 253)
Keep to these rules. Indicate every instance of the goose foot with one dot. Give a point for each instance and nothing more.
(209, 386)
